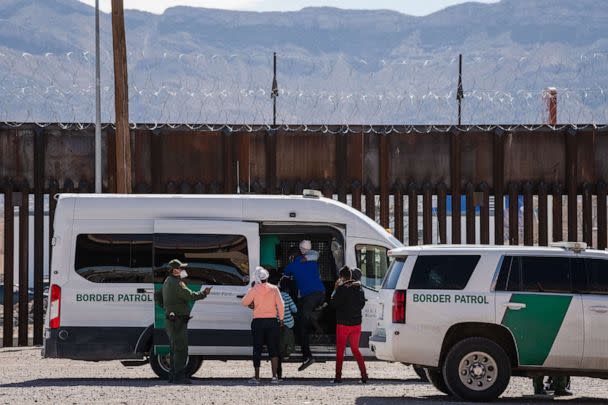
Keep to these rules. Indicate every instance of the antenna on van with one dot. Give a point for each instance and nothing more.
(238, 179)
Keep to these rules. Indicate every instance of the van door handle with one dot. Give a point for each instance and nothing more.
(601, 309)
(515, 306)
(241, 296)
(145, 290)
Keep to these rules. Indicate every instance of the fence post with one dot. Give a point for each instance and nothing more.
(156, 164)
(39, 156)
(572, 182)
(513, 214)
(558, 231)
(412, 208)
(602, 226)
(398, 200)
(370, 197)
(23, 264)
(228, 160)
(543, 234)
(356, 195)
(484, 214)
(499, 186)
(470, 212)
(383, 180)
(528, 214)
(441, 213)
(427, 213)
(341, 165)
(455, 179)
(9, 247)
(270, 143)
(587, 215)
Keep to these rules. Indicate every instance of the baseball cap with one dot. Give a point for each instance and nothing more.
(176, 264)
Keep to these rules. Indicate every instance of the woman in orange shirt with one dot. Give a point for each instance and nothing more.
(268, 312)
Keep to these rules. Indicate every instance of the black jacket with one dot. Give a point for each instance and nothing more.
(348, 302)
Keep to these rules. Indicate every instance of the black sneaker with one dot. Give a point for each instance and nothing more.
(563, 393)
(337, 381)
(306, 364)
(363, 380)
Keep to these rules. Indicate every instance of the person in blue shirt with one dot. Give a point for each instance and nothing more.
(311, 291)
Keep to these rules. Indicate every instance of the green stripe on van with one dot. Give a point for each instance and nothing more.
(536, 326)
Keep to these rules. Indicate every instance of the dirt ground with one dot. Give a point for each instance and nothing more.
(26, 377)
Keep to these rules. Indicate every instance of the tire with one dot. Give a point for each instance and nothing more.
(435, 377)
(161, 365)
(477, 369)
(420, 373)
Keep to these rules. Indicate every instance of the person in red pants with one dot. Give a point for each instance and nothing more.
(348, 300)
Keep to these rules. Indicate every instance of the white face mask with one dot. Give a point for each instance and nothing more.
(183, 274)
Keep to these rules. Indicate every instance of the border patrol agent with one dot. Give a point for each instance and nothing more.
(175, 298)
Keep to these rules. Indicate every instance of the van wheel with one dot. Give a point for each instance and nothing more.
(161, 365)
(420, 373)
(477, 369)
(435, 377)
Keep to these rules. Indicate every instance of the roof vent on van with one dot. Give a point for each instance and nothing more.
(574, 246)
(307, 193)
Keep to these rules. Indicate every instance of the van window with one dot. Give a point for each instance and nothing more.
(597, 273)
(546, 274)
(212, 259)
(373, 262)
(115, 258)
(394, 272)
(443, 272)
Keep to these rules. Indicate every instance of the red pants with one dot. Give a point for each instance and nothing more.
(351, 334)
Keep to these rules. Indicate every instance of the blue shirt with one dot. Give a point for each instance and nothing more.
(306, 274)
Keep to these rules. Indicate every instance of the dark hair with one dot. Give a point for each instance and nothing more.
(356, 274)
(285, 284)
(345, 273)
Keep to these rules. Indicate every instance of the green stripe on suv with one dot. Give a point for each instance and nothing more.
(536, 326)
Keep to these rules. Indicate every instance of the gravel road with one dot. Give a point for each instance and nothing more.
(26, 377)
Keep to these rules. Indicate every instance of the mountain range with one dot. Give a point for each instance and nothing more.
(334, 66)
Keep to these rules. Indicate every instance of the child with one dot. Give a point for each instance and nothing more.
(287, 339)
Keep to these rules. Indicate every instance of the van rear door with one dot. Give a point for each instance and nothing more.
(372, 258)
(220, 255)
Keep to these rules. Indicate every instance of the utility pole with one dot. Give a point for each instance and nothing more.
(97, 104)
(121, 99)
(275, 91)
(459, 91)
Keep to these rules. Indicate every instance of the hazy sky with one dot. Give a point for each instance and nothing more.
(413, 7)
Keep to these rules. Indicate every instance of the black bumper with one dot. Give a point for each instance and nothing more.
(94, 343)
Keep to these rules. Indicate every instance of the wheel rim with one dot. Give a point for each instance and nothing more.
(478, 371)
(164, 362)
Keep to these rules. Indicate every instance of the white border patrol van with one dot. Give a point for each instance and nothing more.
(109, 252)
(475, 315)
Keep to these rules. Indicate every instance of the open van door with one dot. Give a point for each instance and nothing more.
(372, 258)
(220, 255)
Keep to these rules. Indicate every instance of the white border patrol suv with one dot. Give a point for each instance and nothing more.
(475, 315)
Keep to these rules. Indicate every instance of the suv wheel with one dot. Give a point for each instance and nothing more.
(435, 377)
(477, 369)
(161, 365)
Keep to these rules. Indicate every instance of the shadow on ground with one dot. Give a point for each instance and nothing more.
(223, 381)
(444, 399)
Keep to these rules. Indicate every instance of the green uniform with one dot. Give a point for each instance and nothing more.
(175, 299)
(268, 251)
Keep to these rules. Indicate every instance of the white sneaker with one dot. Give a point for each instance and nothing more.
(254, 381)
(275, 380)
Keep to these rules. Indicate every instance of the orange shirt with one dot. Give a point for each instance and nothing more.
(267, 301)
